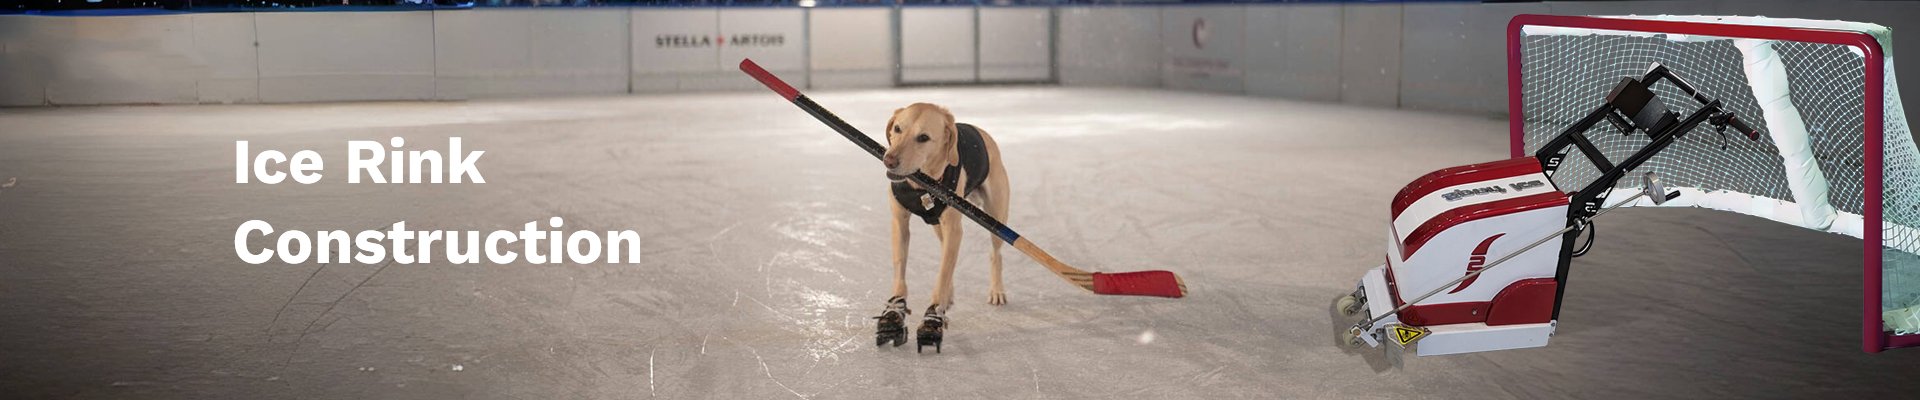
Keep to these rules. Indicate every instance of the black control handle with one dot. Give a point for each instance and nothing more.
(1734, 121)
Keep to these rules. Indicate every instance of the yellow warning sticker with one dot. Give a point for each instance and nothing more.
(1404, 335)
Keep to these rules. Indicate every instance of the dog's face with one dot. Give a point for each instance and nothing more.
(920, 138)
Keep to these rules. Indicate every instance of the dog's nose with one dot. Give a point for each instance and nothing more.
(890, 161)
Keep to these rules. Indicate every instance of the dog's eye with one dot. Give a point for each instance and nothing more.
(923, 138)
(896, 129)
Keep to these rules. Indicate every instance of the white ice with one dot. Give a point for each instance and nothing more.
(766, 252)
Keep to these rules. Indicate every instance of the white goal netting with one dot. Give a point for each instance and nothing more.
(1807, 100)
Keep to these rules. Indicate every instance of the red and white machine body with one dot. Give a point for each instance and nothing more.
(1458, 220)
(1471, 260)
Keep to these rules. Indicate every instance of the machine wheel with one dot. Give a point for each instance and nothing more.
(1350, 337)
(1347, 305)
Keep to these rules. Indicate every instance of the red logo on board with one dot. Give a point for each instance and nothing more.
(1200, 33)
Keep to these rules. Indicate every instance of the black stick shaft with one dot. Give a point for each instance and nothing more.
(939, 193)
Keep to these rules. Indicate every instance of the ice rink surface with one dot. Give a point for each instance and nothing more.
(766, 253)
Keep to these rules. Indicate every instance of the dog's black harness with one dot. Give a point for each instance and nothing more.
(973, 160)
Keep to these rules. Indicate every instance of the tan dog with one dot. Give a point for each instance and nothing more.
(924, 138)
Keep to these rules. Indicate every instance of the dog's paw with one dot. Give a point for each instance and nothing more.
(997, 297)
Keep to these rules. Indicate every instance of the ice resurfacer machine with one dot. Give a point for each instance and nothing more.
(1477, 255)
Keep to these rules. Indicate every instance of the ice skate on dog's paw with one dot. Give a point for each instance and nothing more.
(892, 323)
(932, 330)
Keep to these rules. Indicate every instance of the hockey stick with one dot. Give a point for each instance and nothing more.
(1141, 283)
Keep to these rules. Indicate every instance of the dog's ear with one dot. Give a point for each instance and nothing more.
(953, 136)
(887, 130)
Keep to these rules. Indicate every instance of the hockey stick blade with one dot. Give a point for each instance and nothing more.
(1142, 283)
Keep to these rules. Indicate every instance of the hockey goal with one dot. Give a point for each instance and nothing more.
(1835, 153)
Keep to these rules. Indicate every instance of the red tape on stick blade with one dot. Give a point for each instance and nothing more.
(767, 78)
(1142, 283)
